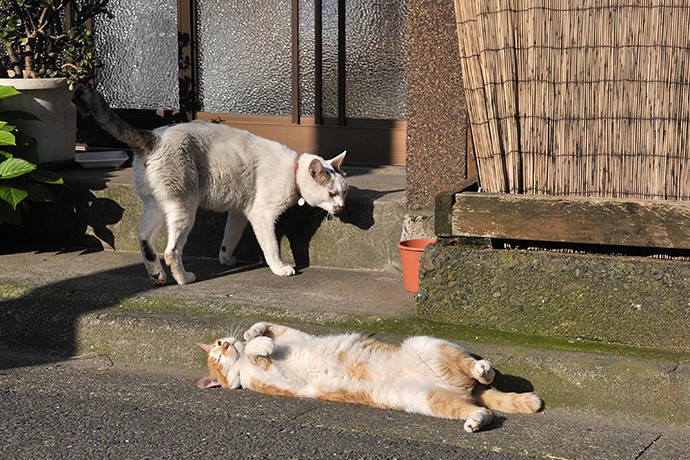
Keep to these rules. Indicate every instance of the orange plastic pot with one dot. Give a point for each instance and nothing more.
(410, 252)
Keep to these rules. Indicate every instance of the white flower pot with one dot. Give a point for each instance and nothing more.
(49, 99)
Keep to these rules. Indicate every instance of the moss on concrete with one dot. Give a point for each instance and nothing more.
(633, 301)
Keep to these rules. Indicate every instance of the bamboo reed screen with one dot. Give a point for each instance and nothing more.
(579, 97)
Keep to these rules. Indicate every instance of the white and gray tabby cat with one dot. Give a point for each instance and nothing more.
(422, 375)
(179, 168)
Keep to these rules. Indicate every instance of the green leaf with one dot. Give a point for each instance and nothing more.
(12, 196)
(37, 192)
(7, 91)
(46, 177)
(15, 167)
(7, 138)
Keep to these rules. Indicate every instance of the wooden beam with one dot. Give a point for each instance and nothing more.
(379, 142)
(635, 223)
(443, 209)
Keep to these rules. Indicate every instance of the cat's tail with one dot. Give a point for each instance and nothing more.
(520, 403)
(91, 102)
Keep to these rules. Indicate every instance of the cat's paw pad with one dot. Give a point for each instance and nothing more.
(255, 331)
(483, 371)
(477, 420)
(261, 346)
(284, 270)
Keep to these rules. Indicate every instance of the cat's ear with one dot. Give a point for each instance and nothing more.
(205, 348)
(317, 172)
(337, 162)
(207, 382)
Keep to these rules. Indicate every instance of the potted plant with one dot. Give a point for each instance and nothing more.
(47, 47)
(20, 179)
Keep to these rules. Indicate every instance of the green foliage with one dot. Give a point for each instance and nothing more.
(49, 38)
(20, 179)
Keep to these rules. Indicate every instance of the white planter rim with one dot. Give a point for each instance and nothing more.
(27, 84)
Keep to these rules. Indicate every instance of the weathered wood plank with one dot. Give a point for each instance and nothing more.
(662, 224)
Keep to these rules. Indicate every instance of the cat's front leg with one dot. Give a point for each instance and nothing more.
(257, 330)
(264, 229)
(259, 352)
(277, 332)
(260, 346)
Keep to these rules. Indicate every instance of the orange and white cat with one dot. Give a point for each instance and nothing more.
(422, 375)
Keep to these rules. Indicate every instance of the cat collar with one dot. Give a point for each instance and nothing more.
(301, 200)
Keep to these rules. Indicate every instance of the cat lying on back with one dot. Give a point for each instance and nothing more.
(422, 375)
(182, 167)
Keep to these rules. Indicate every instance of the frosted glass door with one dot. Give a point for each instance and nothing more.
(140, 54)
(245, 57)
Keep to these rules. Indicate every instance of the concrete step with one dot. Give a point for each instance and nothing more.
(99, 208)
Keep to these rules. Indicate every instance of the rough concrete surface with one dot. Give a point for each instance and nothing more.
(629, 300)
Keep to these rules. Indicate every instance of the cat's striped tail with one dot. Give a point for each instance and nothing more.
(91, 102)
(520, 403)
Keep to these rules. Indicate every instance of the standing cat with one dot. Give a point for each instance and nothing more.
(422, 375)
(179, 168)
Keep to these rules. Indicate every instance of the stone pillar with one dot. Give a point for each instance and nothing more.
(436, 109)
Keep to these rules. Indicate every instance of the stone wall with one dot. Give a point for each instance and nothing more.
(636, 301)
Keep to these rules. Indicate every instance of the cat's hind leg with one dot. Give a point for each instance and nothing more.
(234, 226)
(458, 404)
(179, 218)
(150, 227)
(520, 403)
(457, 365)
(450, 362)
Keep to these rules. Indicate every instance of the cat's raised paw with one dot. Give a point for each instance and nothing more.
(255, 331)
(261, 346)
(285, 270)
(483, 372)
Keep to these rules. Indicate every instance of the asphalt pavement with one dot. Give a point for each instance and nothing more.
(91, 407)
